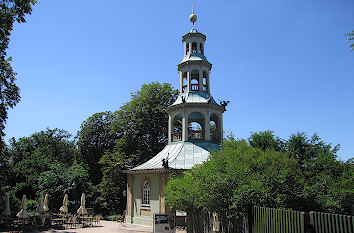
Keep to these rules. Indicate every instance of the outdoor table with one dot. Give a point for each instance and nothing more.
(87, 220)
(58, 221)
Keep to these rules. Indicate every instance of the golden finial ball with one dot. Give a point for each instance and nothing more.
(193, 18)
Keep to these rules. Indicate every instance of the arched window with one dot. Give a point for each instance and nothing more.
(196, 123)
(187, 48)
(202, 48)
(194, 47)
(146, 193)
(176, 133)
(195, 80)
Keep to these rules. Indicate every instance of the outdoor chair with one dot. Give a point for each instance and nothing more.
(74, 221)
(98, 220)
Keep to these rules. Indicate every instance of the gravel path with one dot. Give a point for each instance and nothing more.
(110, 227)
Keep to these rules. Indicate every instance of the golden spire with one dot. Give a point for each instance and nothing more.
(193, 17)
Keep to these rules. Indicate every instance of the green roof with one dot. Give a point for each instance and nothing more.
(181, 155)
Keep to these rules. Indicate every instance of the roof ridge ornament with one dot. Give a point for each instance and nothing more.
(193, 17)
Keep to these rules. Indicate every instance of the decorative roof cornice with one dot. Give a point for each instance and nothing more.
(154, 171)
(209, 105)
(194, 34)
(206, 63)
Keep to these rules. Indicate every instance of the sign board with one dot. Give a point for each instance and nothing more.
(164, 223)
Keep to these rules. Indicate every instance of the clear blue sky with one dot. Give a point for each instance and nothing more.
(283, 64)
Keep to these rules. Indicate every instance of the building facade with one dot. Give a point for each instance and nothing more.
(195, 128)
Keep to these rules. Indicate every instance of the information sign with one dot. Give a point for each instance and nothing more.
(164, 223)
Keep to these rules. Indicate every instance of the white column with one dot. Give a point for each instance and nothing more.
(188, 81)
(207, 124)
(169, 128)
(181, 81)
(207, 81)
(221, 127)
(200, 80)
(185, 127)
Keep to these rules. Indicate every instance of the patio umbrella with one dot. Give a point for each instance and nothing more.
(23, 212)
(64, 208)
(45, 205)
(40, 208)
(7, 211)
(82, 210)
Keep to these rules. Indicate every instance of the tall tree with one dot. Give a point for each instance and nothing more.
(144, 121)
(30, 156)
(266, 140)
(11, 11)
(94, 138)
(141, 125)
(305, 175)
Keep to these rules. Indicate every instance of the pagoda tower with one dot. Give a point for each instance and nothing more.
(195, 128)
(195, 116)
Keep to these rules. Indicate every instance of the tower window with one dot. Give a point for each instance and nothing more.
(146, 194)
(194, 47)
(202, 48)
(195, 80)
(187, 48)
(196, 123)
(176, 134)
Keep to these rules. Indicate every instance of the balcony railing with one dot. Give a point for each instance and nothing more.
(176, 136)
(196, 134)
(195, 87)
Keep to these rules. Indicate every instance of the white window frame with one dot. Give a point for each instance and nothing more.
(146, 194)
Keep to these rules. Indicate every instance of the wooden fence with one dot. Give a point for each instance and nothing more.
(269, 220)
(328, 223)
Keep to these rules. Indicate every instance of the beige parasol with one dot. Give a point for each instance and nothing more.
(40, 208)
(45, 205)
(82, 210)
(64, 208)
(7, 211)
(23, 212)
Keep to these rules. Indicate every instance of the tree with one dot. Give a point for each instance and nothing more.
(58, 181)
(144, 122)
(10, 11)
(305, 175)
(351, 34)
(266, 140)
(30, 156)
(234, 179)
(141, 127)
(94, 138)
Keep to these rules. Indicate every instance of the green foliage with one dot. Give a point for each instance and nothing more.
(10, 11)
(266, 140)
(351, 37)
(302, 175)
(234, 179)
(141, 128)
(112, 217)
(59, 181)
(144, 122)
(94, 138)
(29, 158)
